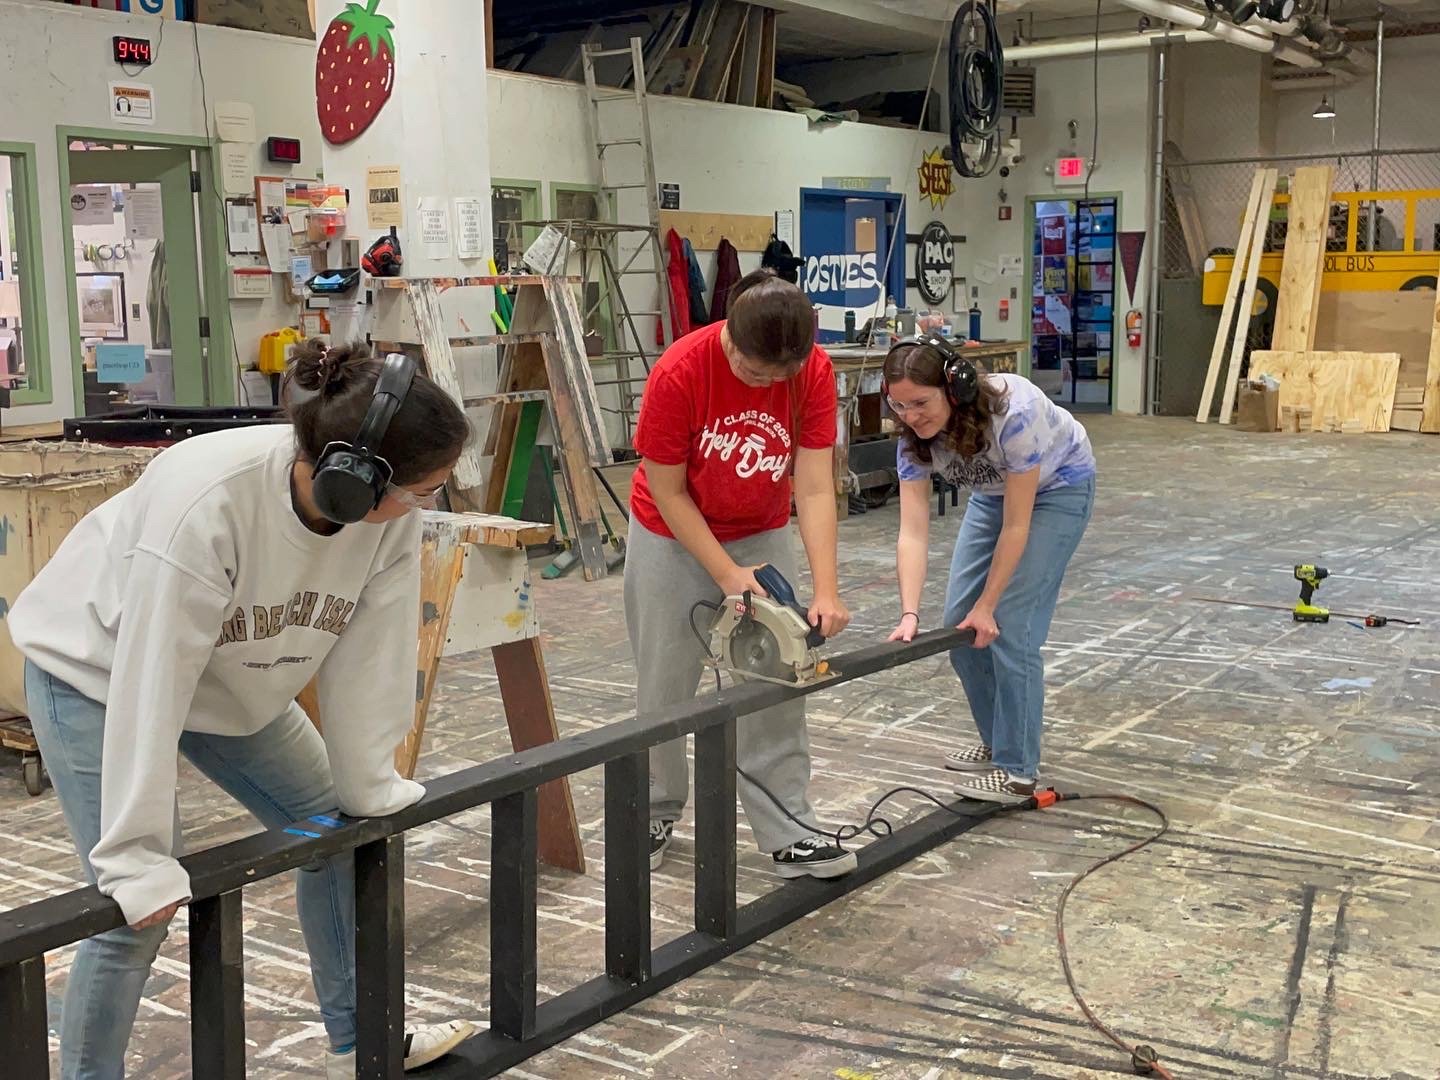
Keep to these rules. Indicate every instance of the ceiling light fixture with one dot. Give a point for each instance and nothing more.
(1324, 111)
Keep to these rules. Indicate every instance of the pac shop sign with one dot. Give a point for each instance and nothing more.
(935, 263)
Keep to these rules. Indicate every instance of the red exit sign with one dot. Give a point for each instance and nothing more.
(1070, 171)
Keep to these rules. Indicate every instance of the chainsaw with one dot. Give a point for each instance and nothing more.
(768, 638)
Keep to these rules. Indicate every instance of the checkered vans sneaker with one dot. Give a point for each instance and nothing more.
(661, 833)
(971, 759)
(996, 786)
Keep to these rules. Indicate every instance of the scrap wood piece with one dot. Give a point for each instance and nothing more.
(1268, 179)
(1334, 386)
(1307, 228)
(1430, 421)
(724, 43)
(424, 299)
(1232, 292)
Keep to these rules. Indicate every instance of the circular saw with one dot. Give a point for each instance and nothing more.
(767, 637)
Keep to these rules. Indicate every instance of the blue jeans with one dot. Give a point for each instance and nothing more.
(1005, 683)
(281, 775)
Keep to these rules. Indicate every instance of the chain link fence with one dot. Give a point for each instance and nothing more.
(1205, 201)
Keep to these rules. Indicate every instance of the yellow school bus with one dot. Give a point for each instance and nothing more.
(1397, 263)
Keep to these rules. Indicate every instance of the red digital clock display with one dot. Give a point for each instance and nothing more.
(132, 51)
(282, 150)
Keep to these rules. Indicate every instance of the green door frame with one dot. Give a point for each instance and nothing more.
(213, 300)
(34, 324)
(1025, 301)
(529, 202)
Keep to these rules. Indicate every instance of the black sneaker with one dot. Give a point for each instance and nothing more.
(814, 857)
(661, 833)
(996, 786)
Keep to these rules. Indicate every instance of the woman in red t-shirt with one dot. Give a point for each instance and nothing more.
(722, 413)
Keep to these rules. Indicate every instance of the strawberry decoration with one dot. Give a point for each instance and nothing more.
(354, 72)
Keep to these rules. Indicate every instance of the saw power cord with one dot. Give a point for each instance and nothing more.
(1143, 1058)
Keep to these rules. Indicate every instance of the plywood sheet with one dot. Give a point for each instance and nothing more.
(1335, 386)
(748, 232)
(1307, 226)
(1405, 420)
(1431, 419)
(1379, 322)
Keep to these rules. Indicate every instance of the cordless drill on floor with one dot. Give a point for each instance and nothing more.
(1310, 577)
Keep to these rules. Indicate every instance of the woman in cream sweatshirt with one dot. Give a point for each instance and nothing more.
(183, 617)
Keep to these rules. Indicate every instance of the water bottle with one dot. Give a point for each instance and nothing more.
(975, 321)
(849, 326)
(891, 312)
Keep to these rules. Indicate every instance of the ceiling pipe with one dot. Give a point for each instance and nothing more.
(1190, 19)
(1085, 46)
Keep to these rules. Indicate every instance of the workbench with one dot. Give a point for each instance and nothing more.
(860, 409)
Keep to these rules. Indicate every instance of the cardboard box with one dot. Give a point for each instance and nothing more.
(1257, 408)
(45, 489)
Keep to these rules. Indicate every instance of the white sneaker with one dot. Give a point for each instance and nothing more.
(422, 1046)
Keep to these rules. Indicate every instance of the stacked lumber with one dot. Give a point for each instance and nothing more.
(724, 50)
(1354, 362)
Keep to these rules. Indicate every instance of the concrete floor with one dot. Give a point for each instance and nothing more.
(1289, 926)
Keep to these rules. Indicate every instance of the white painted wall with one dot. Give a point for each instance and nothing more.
(55, 66)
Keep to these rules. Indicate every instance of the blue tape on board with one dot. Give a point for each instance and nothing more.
(303, 832)
(328, 821)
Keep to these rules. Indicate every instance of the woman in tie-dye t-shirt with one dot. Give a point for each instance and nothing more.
(1031, 474)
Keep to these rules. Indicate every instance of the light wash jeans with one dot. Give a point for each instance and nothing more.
(1005, 683)
(281, 775)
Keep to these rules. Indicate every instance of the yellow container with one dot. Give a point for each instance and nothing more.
(274, 348)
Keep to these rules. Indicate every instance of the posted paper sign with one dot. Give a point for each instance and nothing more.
(239, 177)
(92, 204)
(235, 121)
(434, 227)
(119, 363)
(144, 216)
(470, 228)
(382, 197)
(132, 103)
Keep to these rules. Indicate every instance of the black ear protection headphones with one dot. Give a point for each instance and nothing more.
(962, 380)
(351, 478)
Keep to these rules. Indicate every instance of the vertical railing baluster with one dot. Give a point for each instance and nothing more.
(24, 1031)
(380, 959)
(627, 867)
(513, 881)
(715, 830)
(217, 987)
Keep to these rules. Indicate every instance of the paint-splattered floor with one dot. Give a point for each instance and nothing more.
(1288, 927)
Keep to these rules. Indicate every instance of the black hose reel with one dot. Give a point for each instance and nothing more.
(976, 90)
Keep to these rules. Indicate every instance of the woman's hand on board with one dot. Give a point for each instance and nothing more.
(907, 628)
(830, 614)
(982, 621)
(164, 915)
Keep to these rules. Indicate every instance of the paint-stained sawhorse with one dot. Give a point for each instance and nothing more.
(475, 593)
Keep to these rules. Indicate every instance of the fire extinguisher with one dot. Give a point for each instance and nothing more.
(1134, 327)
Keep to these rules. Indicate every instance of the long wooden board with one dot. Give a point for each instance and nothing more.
(1336, 386)
(1430, 417)
(748, 232)
(1308, 225)
(1232, 291)
(1268, 179)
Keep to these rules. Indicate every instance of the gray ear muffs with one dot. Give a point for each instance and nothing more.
(351, 478)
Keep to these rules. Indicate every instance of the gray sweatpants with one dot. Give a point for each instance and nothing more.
(662, 583)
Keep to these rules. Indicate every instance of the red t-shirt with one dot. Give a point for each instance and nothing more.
(734, 440)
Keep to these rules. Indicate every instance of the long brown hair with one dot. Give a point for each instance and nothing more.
(968, 431)
(326, 395)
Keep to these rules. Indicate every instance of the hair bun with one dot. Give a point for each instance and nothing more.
(319, 369)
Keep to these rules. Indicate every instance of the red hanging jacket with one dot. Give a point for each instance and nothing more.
(678, 269)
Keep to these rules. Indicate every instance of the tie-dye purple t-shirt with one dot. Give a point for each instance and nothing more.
(1033, 433)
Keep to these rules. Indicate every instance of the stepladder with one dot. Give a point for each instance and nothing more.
(543, 351)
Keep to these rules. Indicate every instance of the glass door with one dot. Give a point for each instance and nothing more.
(1072, 316)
